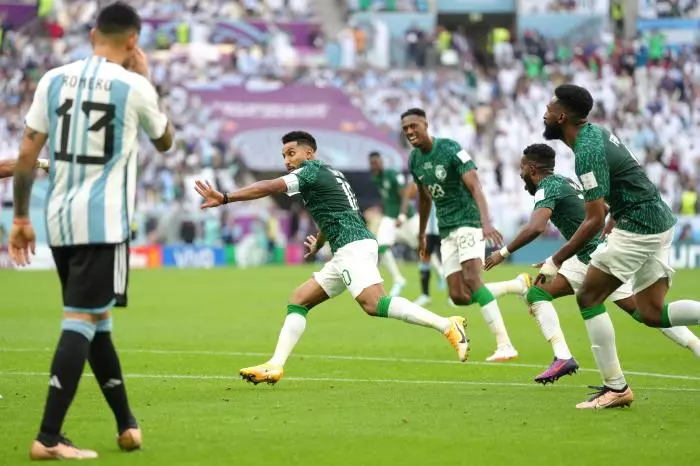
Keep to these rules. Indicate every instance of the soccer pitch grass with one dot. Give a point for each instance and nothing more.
(357, 390)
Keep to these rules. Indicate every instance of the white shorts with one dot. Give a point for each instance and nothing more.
(461, 245)
(575, 272)
(354, 266)
(638, 259)
(388, 234)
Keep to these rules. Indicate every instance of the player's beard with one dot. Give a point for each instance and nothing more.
(552, 132)
(530, 186)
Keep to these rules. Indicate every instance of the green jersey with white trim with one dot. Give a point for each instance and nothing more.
(440, 171)
(331, 202)
(607, 169)
(390, 183)
(565, 199)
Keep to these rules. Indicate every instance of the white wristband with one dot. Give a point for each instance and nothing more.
(402, 218)
(43, 163)
(504, 252)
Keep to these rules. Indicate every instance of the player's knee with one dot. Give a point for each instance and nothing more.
(536, 294)
(473, 283)
(587, 298)
(299, 298)
(460, 297)
(84, 327)
(650, 314)
(370, 305)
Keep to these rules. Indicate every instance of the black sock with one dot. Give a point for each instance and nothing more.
(108, 372)
(66, 369)
(425, 279)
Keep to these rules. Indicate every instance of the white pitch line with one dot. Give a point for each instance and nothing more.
(351, 380)
(330, 357)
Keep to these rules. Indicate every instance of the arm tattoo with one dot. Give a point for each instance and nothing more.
(22, 192)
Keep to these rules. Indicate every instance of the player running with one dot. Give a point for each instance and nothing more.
(90, 112)
(637, 249)
(560, 200)
(399, 222)
(446, 175)
(333, 206)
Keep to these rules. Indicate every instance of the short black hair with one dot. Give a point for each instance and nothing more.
(414, 111)
(301, 138)
(374, 154)
(118, 18)
(541, 155)
(575, 99)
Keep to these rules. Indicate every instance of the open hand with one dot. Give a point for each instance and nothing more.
(493, 260)
(212, 197)
(492, 236)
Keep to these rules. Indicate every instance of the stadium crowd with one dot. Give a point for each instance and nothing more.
(646, 92)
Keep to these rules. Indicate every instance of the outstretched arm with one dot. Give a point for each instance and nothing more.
(214, 198)
(534, 228)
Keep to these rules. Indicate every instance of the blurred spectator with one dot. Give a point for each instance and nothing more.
(689, 200)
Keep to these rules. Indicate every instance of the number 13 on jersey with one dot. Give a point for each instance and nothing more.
(68, 133)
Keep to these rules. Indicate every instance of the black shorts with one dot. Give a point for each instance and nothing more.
(92, 276)
(432, 245)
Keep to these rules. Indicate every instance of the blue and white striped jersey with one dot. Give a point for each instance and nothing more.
(432, 227)
(92, 110)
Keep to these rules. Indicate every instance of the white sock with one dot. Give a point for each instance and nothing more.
(548, 321)
(499, 289)
(494, 319)
(602, 336)
(403, 309)
(292, 330)
(437, 265)
(684, 312)
(389, 261)
(683, 337)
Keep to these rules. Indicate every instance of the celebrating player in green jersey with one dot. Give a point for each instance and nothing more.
(560, 200)
(398, 222)
(446, 174)
(333, 206)
(637, 249)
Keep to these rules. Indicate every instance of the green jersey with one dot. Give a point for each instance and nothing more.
(331, 202)
(390, 183)
(607, 169)
(440, 171)
(565, 199)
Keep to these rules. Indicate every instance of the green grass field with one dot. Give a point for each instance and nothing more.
(357, 390)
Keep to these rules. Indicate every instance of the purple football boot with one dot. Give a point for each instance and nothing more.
(558, 369)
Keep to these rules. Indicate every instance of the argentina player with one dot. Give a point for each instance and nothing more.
(89, 112)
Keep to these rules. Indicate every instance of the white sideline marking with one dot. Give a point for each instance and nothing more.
(350, 380)
(331, 357)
